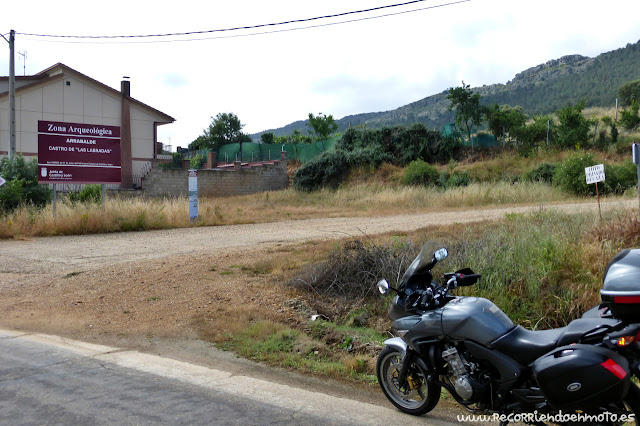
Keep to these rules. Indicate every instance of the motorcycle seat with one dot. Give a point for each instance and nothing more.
(525, 346)
(578, 327)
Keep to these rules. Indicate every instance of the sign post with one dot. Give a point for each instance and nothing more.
(635, 151)
(595, 174)
(193, 196)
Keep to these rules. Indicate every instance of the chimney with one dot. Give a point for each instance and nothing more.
(125, 87)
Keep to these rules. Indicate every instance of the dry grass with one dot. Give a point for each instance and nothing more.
(365, 199)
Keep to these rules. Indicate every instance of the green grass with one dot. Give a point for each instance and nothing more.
(321, 348)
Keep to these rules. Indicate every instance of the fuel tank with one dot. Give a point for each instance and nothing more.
(474, 318)
(464, 318)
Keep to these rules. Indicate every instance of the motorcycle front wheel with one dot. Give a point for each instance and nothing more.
(418, 397)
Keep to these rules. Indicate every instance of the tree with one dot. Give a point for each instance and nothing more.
(629, 92)
(573, 127)
(323, 125)
(503, 119)
(295, 138)
(467, 106)
(22, 184)
(629, 117)
(608, 121)
(225, 128)
(536, 131)
(267, 138)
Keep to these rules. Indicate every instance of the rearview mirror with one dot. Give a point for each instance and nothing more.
(383, 286)
(441, 254)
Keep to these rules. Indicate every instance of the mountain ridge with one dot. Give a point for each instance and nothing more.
(539, 90)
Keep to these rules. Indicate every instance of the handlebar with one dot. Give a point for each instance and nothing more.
(461, 278)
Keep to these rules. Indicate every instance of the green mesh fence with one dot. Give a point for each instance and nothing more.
(265, 152)
(483, 140)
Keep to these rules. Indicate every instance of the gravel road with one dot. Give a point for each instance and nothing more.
(42, 255)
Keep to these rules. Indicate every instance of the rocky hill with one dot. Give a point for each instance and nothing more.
(542, 89)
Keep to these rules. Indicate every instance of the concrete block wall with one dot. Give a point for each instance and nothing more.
(218, 182)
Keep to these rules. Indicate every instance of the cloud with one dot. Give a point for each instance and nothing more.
(348, 94)
(174, 79)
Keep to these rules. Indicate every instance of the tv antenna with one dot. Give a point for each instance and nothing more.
(24, 62)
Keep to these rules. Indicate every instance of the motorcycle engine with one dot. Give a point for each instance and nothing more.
(467, 388)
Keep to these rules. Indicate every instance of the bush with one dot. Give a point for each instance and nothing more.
(569, 175)
(620, 178)
(530, 135)
(358, 147)
(352, 270)
(541, 173)
(574, 127)
(420, 173)
(629, 117)
(401, 145)
(458, 179)
(22, 184)
(326, 170)
(88, 194)
(197, 161)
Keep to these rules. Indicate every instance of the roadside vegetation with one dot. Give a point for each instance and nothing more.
(542, 269)
(484, 179)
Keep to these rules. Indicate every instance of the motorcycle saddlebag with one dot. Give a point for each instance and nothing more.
(580, 377)
(621, 285)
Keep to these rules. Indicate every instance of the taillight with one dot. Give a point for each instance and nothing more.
(626, 299)
(622, 341)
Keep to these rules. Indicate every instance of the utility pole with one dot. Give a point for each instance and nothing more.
(548, 128)
(12, 95)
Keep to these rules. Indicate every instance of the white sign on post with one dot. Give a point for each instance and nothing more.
(2, 181)
(594, 174)
(193, 195)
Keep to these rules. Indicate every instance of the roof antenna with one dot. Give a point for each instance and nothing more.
(24, 62)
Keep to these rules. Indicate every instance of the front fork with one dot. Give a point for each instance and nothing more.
(408, 359)
(409, 356)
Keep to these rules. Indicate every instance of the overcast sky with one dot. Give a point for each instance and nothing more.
(273, 79)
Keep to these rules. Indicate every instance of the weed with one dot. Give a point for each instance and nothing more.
(73, 274)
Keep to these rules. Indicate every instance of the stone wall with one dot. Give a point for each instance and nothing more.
(237, 180)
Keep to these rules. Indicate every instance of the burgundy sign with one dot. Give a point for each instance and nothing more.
(78, 153)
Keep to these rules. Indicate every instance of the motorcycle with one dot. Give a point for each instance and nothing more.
(489, 365)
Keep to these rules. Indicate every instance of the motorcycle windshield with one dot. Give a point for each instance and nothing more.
(422, 261)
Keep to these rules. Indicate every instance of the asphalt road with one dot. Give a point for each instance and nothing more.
(47, 380)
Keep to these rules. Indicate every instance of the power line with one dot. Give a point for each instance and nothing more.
(248, 27)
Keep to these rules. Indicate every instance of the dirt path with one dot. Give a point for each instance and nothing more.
(44, 255)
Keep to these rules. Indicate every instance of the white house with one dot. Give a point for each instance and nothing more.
(62, 94)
